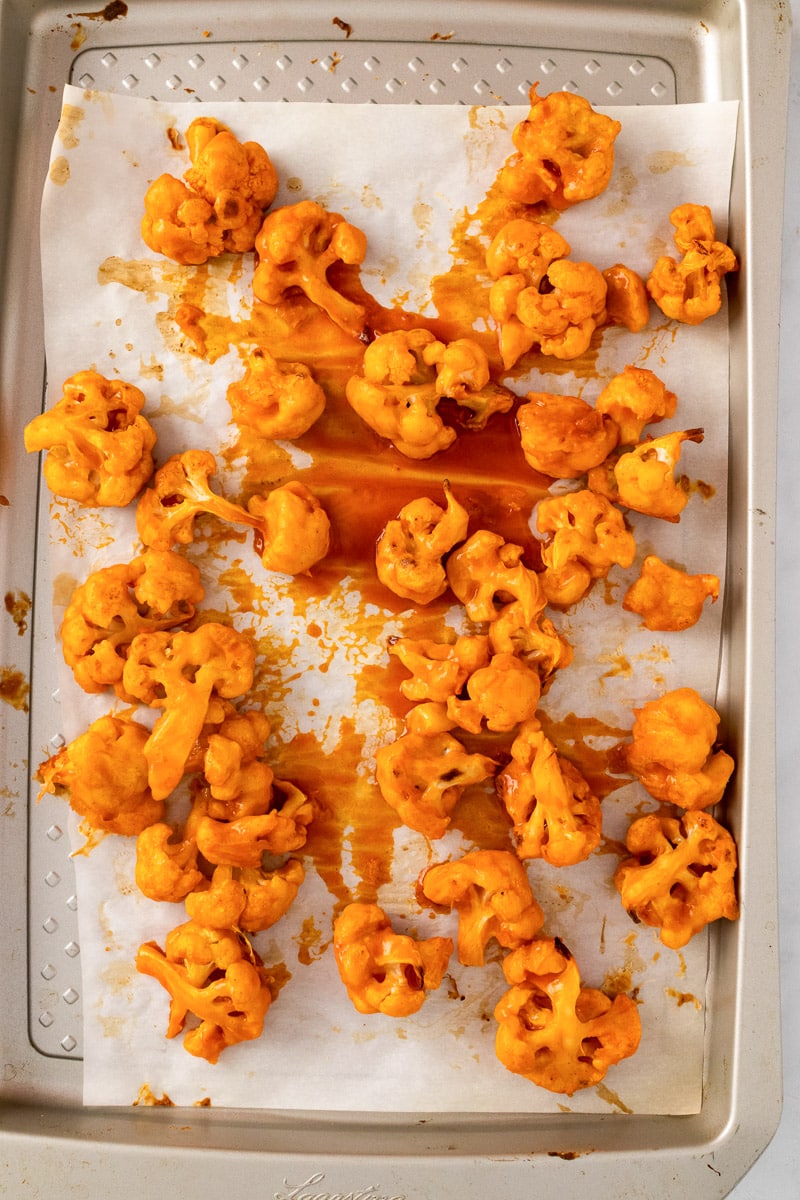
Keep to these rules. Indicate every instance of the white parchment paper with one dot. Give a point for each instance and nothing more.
(405, 175)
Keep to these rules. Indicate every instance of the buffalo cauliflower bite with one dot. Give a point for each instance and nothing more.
(157, 590)
(403, 377)
(499, 696)
(216, 976)
(672, 750)
(667, 598)
(644, 478)
(221, 205)
(104, 775)
(635, 398)
(410, 550)
(276, 399)
(689, 290)
(518, 258)
(553, 1031)
(296, 247)
(291, 528)
(98, 444)
(247, 898)
(280, 827)
(627, 299)
(537, 643)
(439, 670)
(166, 870)
(490, 891)
(565, 152)
(680, 876)
(422, 778)
(555, 815)
(384, 971)
(585, 537)
(180, 673)
(563, 436)
(487, 572)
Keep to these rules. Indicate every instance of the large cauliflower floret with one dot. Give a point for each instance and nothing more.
(439, 670)
(537, 643)
(410, 550)
(565, 152)
(486, 573)
(157, 590)
(690, 290)
(181, 673)
(667, 598)
(214, 975)
(563, 436)
(490, 891)
(247, 898)
(166, 870)
(403, 377)
(104, 775)
(673, 753)
(644, 478)
(680, 876)
(296, 247)
(555, 815)
(383, 971)
(498, 696)
(99, 446)
(277, 824)
(634, 398)
(558, 1034)
(585, 537)
(422, 778)
(221, 205)
(276, 399)
(291, 528)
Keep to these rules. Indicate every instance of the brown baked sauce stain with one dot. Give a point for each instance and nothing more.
(18, 606)
(14, 689)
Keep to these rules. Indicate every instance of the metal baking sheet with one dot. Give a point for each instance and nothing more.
(429, 53)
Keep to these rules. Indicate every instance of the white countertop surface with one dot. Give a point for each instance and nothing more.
(776, 1175)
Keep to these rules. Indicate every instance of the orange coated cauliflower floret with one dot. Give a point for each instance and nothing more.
(565, 152)
(538, 643)
(296, 247)
(490, 891)
(157, 590)
(667, 598)
(681, 875)
(294, 529)
(486, 573)
(214, 975)
(501, 694)
(422, 777)
(672, 752)
(410, 550)
(689, 290)
(181, 673)
(104, 775)
(635, 398)
(439, 670)
(586, 536)
(383, 971)
(555, 815)
(627, 300)
(221, 205)
(644, 478)
(518, 258)
(558, 1034)
(99, 446)
(276, 399)
(278, 824)
(403, 377)
(563, 436)
(166, 870)
(247, 898)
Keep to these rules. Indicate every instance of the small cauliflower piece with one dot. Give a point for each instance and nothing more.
(98, 444)
(585, 537)
(294, 529)
(279, 825)
(180, 673)
(690, 290)
(296, 247)
(518, 258)
(565, 152)
(672, 750)
(383, 971)
(439, 670)
(559, 316)
(627, 299)
(490, 891)
(563, 436)
(215, 975)
(157, 590)
(667, 598)
(680, 876)
(537, 643)
(555, 815)
(500, 695)
(634, 398)
(246, 898)
(422, 778)
(166, 870)
(487, 572)
(644, 478)
(276, 399)
(553, 1031)
(103, 774)
(410, 550)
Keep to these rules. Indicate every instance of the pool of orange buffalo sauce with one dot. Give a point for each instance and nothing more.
(363, 482)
